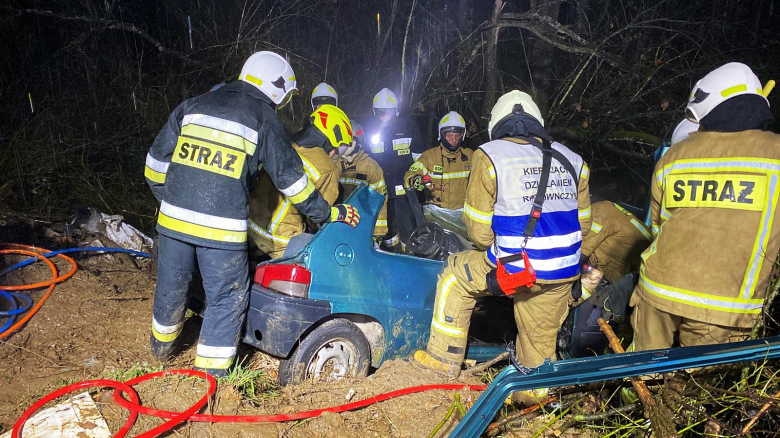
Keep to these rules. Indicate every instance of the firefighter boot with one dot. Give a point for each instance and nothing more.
(423, 360)
(161, 350)
(217, 373)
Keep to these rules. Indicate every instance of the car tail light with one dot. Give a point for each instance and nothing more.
(293, 280)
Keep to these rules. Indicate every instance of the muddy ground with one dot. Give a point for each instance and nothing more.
(97, 324)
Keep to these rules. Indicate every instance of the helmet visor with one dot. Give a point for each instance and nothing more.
(286, 99)
(381, 112)
(322, 100)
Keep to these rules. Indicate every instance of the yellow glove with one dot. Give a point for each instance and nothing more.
(345, 213)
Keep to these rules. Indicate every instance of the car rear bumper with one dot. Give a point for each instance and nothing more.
(275, 322)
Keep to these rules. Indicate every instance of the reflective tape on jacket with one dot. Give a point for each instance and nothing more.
(155, 170)
(227, 126)
(265, 234)
(642, 229)
(450, 175)
(310, 169)
(584, 214)
(702, 300)
(202, 225)
(419, 166)
(560, 241)
(300, 190)
(476, 215)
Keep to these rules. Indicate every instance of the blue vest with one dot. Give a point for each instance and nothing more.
(554, 249)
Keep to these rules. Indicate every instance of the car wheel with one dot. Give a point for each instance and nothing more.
(332, 351)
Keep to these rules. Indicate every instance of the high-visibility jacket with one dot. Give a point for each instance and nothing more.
(273, 219)
(616, 240)
(713, 212)
(449, 173)
(394, 145)
(501, 190)
(364, 169)
(205, 158)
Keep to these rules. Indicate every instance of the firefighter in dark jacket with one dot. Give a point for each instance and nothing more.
(394, 142)
(200, 168)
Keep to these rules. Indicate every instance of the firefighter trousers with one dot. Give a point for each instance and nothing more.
(225, 276)
(400, 218)
(539, 311)
(654, 328)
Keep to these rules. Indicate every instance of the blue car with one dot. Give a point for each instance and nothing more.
(339, 305)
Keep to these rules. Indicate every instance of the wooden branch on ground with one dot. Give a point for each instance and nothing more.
(753, 420)
(483, 366)
(660, 417)
(498, 426)
(108, 24)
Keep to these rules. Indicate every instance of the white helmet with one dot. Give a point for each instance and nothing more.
(385, 100)
(324, 94)
(452, 120)
(723, 83)
(506, 104)
(272, 75)
(684, 130)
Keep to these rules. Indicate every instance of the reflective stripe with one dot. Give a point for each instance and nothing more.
(584, 214)
(447, 330)
(157, 177)
(296, 187)
(448, 282)
(698, 299)
(219, 137)
(352, 181)
(381, 223)
(156, 165)
(378, 186)
(213, 363)
(415, 156)
(422, 167)
(654, 229)
(278, 215)
(215, 352)
(760, 244)
(641, 227)
(263, 233)
(542, 264)
(478, 216)
(223, 125)
(207, 220)
(720, 165)
(303, 195)
(540, 242)
(310, 169)
(392, 241)
(166, 333)
(596, 228)
(585, 172)
(492, 171)
(585, 294)
(200, 230)
(451, 175)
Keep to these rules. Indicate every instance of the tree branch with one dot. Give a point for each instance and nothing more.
(108, 24)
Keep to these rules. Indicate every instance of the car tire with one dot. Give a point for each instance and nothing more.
(332, 351)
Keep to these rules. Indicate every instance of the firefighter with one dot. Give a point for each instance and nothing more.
(499, 205)
(394, 142)
(714, 198)
(615, 242)
(324, 94)
(445, 169)
(357, 167)
(273, 220)
(199, 168)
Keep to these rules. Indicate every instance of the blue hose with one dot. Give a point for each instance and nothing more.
(15, 309)
(13, 297)
(65, 251)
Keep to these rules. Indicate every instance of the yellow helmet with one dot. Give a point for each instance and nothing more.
(332, 122)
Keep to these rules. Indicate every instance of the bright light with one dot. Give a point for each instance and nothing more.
(375, 139)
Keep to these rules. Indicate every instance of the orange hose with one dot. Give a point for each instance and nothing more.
(35, 252)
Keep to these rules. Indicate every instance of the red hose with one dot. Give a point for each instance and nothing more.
(135, 408)
(17, 431)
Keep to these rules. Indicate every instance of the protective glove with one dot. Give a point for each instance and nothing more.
(345, 213)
